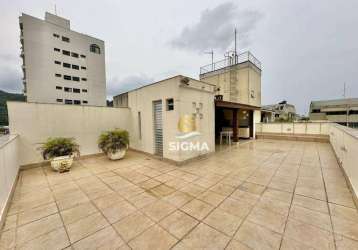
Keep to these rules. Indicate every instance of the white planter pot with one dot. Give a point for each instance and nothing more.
(117, 155)
(62, 163)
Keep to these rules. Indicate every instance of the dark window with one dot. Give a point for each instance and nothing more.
(56, 49)
(59, 100)
(66, 52)
(68, 101)
(57, 62)
(316, 111)
(94, 48)
(68, 89)
(84, 79)
(66, 77)
(336, 113)
(75, 78)
(66, 39)
(75, 66)
(74, 54)
(77, 102)
(85, 102)
(84, 90)
(82, 67)
(56, 35)
(58, 75)
(170, 104)
(58, 87)
(353, 112)
(76, 91)
(83, 56)
(66, 65)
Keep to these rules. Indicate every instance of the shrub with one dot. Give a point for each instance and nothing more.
(59, 146)
(113, 140)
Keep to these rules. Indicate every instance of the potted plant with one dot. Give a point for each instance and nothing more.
(61, 152)
(114, 143)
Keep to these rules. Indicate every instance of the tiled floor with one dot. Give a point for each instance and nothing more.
(261, 195)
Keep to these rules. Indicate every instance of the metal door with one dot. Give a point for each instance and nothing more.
(158, 128)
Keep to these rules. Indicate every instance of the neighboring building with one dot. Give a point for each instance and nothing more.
(342, 111)
(283, 111)
(61, 65)
(267, 114)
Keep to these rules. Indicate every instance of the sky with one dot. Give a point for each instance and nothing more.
(308, 49)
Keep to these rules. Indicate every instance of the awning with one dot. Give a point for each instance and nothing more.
(235, 105)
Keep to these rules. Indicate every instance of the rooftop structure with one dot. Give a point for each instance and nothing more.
(283, 110)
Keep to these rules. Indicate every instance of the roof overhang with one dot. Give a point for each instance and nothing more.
(235, 105)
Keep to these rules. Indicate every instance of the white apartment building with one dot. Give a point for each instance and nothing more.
(61, 65)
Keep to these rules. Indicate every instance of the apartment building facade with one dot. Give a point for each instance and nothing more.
(61, 65)
(282, 111)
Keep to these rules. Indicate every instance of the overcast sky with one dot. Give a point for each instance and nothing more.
(308, 48)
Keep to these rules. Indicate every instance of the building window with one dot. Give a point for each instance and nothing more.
(58, 75)
(66, 39)
(66, 52)
(85, 102)
(170, 104)
(67, 101)
(94, 48)
(84, 90)
(83, 56)
(68, 89)
(59, 100)
(84, 79)
(77, 102)
(66, 65)
(56, 35)
(58, 87)
(56, 49)
(57, 62)
(316, 111)
(75, 78)
(74, 54)
(139, 125)
(83, 67)
(75, 66)
(76, 90)
(66, 77)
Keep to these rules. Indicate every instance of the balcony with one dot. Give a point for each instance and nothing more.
(263, 194)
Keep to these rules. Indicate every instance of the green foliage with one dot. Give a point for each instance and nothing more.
(59, 146)
(5, 96)
(114, 140)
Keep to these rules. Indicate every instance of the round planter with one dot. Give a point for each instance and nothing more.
(117, 155)
(62, 163)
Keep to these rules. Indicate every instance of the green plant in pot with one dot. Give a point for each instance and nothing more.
(61, 152)
(114, 143)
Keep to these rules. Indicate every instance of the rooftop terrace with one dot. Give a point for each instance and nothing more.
(265, 194)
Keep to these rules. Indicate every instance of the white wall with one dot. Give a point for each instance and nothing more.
(35, 122)
(296, 128)
(9, 168)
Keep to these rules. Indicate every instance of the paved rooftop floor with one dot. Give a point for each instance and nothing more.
(261, 195)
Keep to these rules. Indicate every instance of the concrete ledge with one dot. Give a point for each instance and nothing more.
(8, 201)
(293, 137)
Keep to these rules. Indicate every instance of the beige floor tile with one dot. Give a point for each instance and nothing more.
(313, 204)
(10, 222)
(257, 237)
(223, 189)
(236, 207)
(106, 238)
(153, 238)
(85, 227)
(273, 221)
(275, 206)
(277, 195)
(37, 213)
(204, 237)
(72, 200)
(342, 212)
(107, 200)
(236, 245)
(290, 244)
(158, 210)
(143, 199)
(198, 209)
(149, 184)
(310, 235)
(76, 213)
(162, 190)
(348, 228)
(252, 188)
(344, 243)
(178, 199)
(193, 189)
(56, 239)
(178, 224)
(223, 221)
(132, 225)
(245, 196)
(8, 239)
(311, 217)
(118, 210)
(211, 198)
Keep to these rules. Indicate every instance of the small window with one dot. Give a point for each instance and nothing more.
(58, 75)
(84, 79)
(56, 49)
(57, 62)
(58, 87)
(170, 104)
(82, 67)
(59, 100)
(66, 39)
(83, 56)
(94, 48)
(77, 102)
(75, 78)
(76, 90)
(66, 77)
(66, 52)
(68, 89)
(84, 90)
(67, 101)
(56, 35)
(75, 66)
(73, 54)
(66, 65)
(85, 102)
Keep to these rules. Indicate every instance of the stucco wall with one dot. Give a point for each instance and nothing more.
(35, 122)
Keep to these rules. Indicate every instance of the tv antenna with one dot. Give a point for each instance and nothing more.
(55, 10)
(212, 57)
(344, 90)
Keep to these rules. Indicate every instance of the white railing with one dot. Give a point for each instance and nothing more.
(294, 128)
(9, 169)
